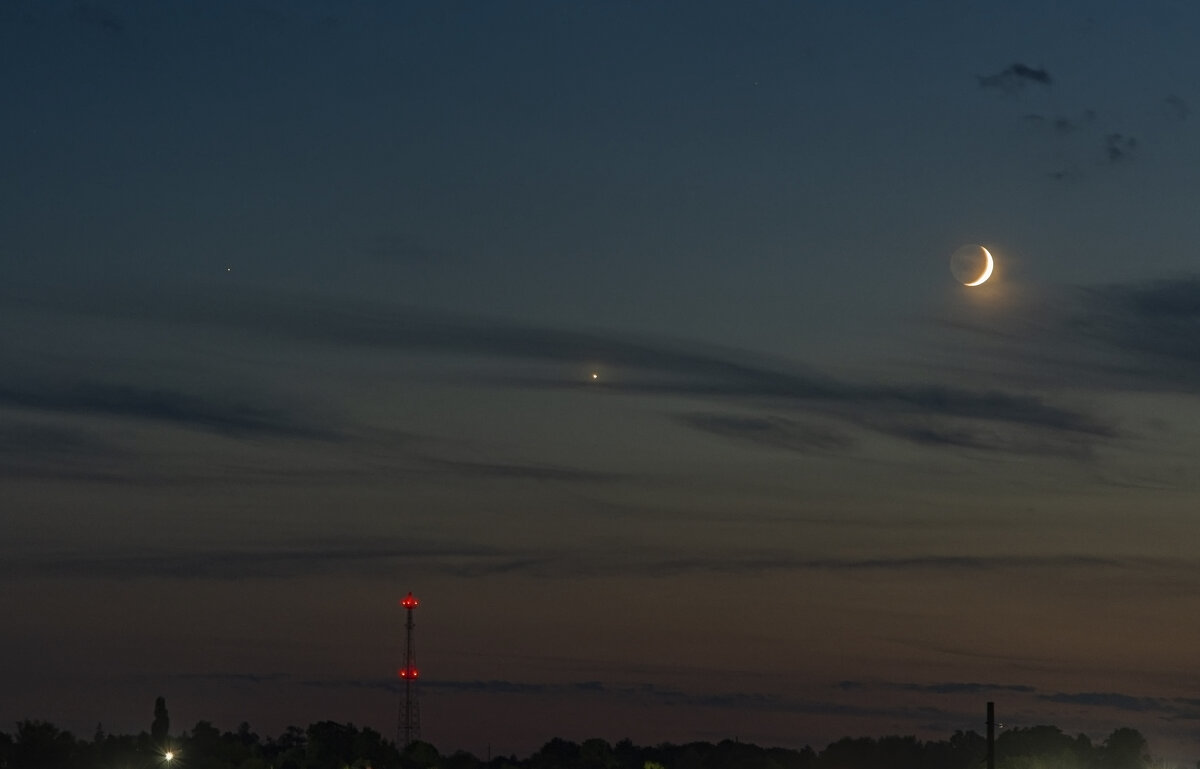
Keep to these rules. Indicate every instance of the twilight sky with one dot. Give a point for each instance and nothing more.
(301, 304)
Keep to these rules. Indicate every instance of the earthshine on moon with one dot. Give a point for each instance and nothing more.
(972, 265)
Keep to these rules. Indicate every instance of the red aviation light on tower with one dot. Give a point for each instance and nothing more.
(408, 673)
(409, 602)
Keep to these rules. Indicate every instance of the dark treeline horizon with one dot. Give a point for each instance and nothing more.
(332, 745)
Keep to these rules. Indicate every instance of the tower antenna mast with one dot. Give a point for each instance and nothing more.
(408, 728)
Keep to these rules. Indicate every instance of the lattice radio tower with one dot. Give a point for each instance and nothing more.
(408, 728)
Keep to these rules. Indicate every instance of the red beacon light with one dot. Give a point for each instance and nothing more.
(407, 672)
(409, 602)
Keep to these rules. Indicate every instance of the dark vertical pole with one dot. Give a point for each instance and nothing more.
(991, 725)
(409, 665)
(408, 727)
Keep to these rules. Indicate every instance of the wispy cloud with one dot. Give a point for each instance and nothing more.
(473, 561)
(157, 404)
(768, 431)
(1015, 77)
(516, 471)
(1171, 708)
(1118, 146)
(263, 563)
(643, 692)
(244, 678)
(24, 438)
(1108, 700)
(35, 450)
(1139, 336)
(1152, 321)
(949, 687)
(759, 397)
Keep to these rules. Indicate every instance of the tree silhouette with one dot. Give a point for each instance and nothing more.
(1043, 746)
(597, 754)
(41, 744)
(1125, 749)
(333, 745)
(555, 753)
(420, 755)
(161, 728)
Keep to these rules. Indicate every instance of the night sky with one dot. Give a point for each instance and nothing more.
(302, 302)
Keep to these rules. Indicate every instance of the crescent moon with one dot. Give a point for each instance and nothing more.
(987, 271)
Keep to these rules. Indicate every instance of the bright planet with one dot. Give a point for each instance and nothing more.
(972, 265)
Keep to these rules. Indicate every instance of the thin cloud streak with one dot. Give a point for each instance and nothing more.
(159, 405)
(927, 414)
(1127, 337)
(1173, 708)
(949, 687)
(645, 692)
(473, 561)
(515, 471)
(768, 431)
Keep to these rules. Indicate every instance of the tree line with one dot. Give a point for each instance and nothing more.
(333, 745)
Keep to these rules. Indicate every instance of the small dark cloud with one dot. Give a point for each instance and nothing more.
(1119, 147)
(1175, 108)
(100, 17)
(1014, 78)
(1061, 125)
(1067, 173)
